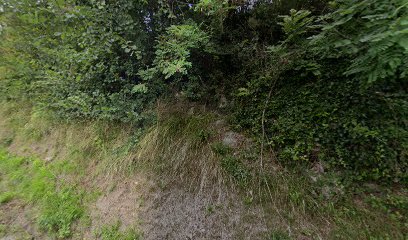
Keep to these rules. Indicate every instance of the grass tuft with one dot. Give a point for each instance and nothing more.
(6, 197)
(112, 232)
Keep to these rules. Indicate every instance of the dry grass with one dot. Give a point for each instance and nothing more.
(179, 147)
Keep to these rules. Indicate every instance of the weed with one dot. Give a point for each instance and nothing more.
(204, 135)
(393, 205)
(3, 228)
(112, 232)
(236, 169)
(210, 209)
(7, 141)
(221, 149)
(6, 197)
(59, 211)
(279, 235)
(248, 200)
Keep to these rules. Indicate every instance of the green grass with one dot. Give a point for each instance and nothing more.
(6, 197)
(279, 235)
(236, 169)
(31, 181)
(112, 232)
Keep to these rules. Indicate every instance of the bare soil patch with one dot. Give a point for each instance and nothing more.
(16, 217)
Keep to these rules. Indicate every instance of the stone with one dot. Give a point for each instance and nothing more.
(231, 139)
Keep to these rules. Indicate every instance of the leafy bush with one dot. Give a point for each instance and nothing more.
(372, 34)
(173, 50)
(83, 60)
(352, 117)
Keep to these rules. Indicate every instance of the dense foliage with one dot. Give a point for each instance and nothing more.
(318, 81)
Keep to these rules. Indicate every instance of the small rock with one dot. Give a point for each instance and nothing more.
(318, 167)
(8, 238)
(231, 139)
(326, 192)
(48, 159)
(191, 111)
(223, 102)
(372, 186)
(220, 123)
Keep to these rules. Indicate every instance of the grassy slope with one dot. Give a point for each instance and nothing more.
(44, 193)
(54, 205)
(185, 149)
(33, 182)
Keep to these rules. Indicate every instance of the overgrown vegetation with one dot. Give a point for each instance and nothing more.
(323, 82)
(321, 86)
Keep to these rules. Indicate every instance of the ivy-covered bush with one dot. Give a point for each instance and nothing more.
(341, 97)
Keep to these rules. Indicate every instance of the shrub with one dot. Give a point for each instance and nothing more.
(321, 107)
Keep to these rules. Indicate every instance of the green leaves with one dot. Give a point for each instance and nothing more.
(132, 50)
(139, 88)
(173, 49)
(86, 57)
(334, 90)
(296, 24)
(372, 34)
